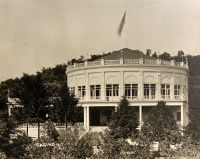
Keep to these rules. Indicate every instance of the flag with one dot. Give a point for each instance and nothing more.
(122, 24)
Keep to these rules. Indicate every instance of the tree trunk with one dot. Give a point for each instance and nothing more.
(38, 130)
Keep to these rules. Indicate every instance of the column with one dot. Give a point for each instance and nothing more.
(88, 118)
(103, 86)
(121, 84)
(182, 115)
(141, 86)
(140, 116)
(85, 117)
(158, 91)
(172, 88)
(87, 87)
(115, 108)
(76, 87)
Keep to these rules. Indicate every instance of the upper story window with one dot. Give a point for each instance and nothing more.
(95, 91)
(72, 90)
(165, 91)
(149, 91)
(81, 92)
(177, 91)
(112, 90)
(131, 91)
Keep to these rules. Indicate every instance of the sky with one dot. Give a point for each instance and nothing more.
(42, 33)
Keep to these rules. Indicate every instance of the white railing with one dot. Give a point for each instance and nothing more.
(148, 61)
(112, 62)
(131, 61)
(127, 61)
(79, 65)
(165, 62)
(94, 63)
(177, 63)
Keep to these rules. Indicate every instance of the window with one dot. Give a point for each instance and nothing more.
(177, 91)
(81, 92)
(72, 90)
(95, 91)
(178, 116)
(149, 91)
(112, 90)
(165, 91)
(131, 91)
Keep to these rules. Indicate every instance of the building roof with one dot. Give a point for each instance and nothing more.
(126, 54)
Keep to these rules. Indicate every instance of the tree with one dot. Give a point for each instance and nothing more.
(161, 127)
(64, 106)
(72, 143)
(148, 52)
(155, 55)
(165, 56)
(124, 121)
(34, 99)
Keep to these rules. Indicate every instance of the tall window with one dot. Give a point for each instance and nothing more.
(81, 92)
(165, 91)
(177, 91)
(95, 91)
(131, 91)
(112, 90)
(149, 91)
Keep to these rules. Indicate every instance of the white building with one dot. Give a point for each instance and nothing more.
(142, 79)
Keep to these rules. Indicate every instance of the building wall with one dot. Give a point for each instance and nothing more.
(128, 74)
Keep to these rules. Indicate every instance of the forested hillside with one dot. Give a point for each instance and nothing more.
(194, 94)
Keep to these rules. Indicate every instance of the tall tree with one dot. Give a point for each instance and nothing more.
(124, 121)
(165, 56)
(34, 99)
(161, 127)
(64, 106)
(148, 52)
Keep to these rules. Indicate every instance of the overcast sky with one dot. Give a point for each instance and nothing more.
(43, 33)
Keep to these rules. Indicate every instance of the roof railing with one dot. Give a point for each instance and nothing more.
(121, 61)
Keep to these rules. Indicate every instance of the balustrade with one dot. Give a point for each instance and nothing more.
(122, 61)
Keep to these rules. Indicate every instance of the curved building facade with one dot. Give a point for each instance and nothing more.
(144, 80)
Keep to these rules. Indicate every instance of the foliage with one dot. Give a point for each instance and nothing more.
(71, 143)
(155, 55)
(148, 52)
(2, 155)
(75, 143)
(124, 121)
(165, 56)
(17, 146)
(110, 147)
(8, 128)
(162, 128)
(189, 148)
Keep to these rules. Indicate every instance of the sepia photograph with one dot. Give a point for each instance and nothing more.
(99, 79)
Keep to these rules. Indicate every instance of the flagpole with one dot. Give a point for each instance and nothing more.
(126, 24)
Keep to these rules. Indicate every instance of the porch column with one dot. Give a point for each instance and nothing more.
(87, 87)
(121, 84)
(88, 118)
(141, 86)
(140, 117)
(103, 97)
(182, 115)
(158, 91)
(115, 108)
(85, 117)
(172, 88)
